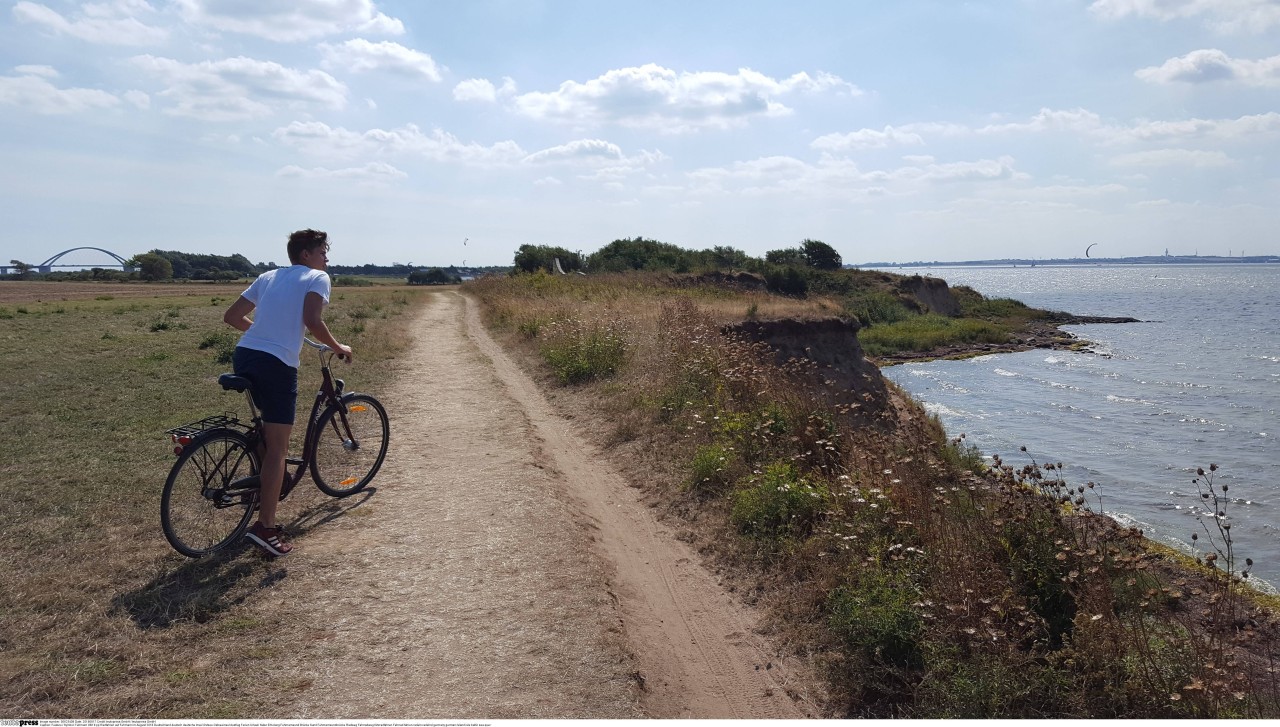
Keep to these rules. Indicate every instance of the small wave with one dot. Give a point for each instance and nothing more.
(1052, 360)
(942, 410)
(984, 357)
(1123, 399)
(1003, 372)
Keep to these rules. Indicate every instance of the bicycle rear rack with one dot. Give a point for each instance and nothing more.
(214, 422)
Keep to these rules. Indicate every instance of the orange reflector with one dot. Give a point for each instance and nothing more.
(349, 481)
(358, 407)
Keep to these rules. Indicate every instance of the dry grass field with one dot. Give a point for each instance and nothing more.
(98, 617)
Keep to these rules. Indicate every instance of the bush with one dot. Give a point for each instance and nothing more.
(781, 504)
(351, 281)
(223, 343)
(873, 614)
(711, 469)
(876, 307)
(579, 353)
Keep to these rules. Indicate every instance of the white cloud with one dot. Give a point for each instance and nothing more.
(1173, 157)
(580, 150)
(320, 139)
(481, 89)
(981, 170)
(113, 23)
(44, 71)
(35, 93)
(290, 20)
(1225, 16)
(1050, 120)
(240, 88)
(654, 97)
(138, 98)
(866, 139)
(1078, 121)
(842, 178)
(360, 55)
(377, 173)
(1208, 65)
(475, 89)
(1221, 129)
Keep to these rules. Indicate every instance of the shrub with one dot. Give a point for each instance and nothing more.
(874, 617)
(711, 469)
(876, 307)
(779, 504)
(223, 343)
(578, 353)
(351, 281)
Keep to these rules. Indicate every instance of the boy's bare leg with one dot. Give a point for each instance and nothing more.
(275, 437)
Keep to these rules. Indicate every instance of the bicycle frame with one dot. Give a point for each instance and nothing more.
(329, 394)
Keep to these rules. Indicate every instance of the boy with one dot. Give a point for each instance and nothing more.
(288, 300)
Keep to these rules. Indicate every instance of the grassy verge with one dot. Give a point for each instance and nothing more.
(922, 579)
(98, 618)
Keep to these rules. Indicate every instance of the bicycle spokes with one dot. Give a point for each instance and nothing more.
(350, 445)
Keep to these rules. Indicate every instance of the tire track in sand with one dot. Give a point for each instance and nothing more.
(696, 647)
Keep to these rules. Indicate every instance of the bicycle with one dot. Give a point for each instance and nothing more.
(212, 491)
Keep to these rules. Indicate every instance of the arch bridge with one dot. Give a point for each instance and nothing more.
(48, 265)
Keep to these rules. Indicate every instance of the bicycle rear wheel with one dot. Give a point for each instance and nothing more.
(209, 497)
(350, 445)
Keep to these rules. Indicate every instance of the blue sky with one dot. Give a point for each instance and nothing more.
(894, 131)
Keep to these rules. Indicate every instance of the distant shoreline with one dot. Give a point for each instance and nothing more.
(1032, 262)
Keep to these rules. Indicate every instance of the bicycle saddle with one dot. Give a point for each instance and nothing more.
(231, 382)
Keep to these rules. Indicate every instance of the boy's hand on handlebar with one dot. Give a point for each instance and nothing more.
(344, 352)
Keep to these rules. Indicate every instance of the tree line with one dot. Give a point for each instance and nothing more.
(786, 270)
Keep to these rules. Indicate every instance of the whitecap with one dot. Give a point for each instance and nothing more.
(1003, 372)
(942, 410)
(1122, 399)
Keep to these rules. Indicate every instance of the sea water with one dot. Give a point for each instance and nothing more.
(1197, 382)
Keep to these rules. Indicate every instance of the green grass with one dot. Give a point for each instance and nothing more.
(928, 332)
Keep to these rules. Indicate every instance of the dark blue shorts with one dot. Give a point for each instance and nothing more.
(275, 383)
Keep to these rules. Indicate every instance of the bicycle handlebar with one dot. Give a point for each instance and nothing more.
(323, 349)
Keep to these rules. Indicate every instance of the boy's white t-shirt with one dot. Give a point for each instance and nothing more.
(277, 322)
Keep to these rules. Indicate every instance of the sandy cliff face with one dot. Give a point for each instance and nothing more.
(932, 293)
(824, 354)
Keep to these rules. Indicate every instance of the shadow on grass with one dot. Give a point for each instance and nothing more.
(199, 590)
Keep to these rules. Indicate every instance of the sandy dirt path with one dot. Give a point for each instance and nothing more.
(502, 569)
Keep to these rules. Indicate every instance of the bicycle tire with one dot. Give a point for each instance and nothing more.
(199, 514)
(349, 450)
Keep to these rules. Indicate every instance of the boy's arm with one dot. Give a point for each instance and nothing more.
(237, 316)
(312, 318)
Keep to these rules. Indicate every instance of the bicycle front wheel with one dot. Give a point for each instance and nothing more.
(350, 445)
(209, 496)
